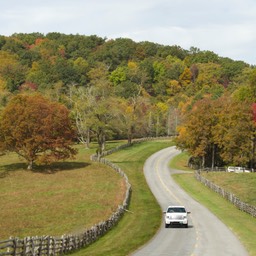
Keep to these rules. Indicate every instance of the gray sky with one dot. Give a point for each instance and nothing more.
(226, 27)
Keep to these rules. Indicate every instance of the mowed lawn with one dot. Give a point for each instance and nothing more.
(63, 199)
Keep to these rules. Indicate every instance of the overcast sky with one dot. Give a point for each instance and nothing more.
(226, 27)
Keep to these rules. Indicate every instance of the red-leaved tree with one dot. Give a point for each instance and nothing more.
(37, 129)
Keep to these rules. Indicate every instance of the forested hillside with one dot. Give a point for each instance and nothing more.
(123, 89)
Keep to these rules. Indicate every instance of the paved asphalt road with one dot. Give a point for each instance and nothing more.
(206, 234)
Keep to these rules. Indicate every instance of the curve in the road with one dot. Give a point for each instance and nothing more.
(206, 235)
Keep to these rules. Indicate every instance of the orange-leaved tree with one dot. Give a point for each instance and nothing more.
(37, 129)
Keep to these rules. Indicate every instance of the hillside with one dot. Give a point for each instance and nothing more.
(123, 89)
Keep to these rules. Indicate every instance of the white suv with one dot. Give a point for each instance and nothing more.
(176, 215)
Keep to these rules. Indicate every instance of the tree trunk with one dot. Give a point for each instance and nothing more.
(30, 165)
(157, 126)
(130, 134)
(150, 125)
(213, 155)
(253, 153)
(101, 143)
(129, 139)
(88, 138)
(203, 162)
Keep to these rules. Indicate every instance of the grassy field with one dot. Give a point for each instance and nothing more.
(64, 199)
(78, 194)
(242, 185)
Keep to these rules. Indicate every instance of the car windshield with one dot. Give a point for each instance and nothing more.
(176, 209)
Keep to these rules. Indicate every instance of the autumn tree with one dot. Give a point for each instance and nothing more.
(132, 102)
(80, 99)
(36, 129)
(160, 117)
(218, 131)
(129, 80)
(234, 131)
(186, 77)
(12, 73)
(99, 105)
(253, 84)
(198, 56)
(115, 52)
(131, 116)
(230, 69)
(195, 132)
(208, 75)
(174, 87)
(159, 82)
(252, 164)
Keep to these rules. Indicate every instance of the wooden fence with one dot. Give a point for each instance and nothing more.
(227, 195)
(47, 245)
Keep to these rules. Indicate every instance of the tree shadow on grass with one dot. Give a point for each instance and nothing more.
(58, 167)
(6, 169)
(44, 169)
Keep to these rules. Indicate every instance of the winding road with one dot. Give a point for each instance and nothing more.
(206, 234)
